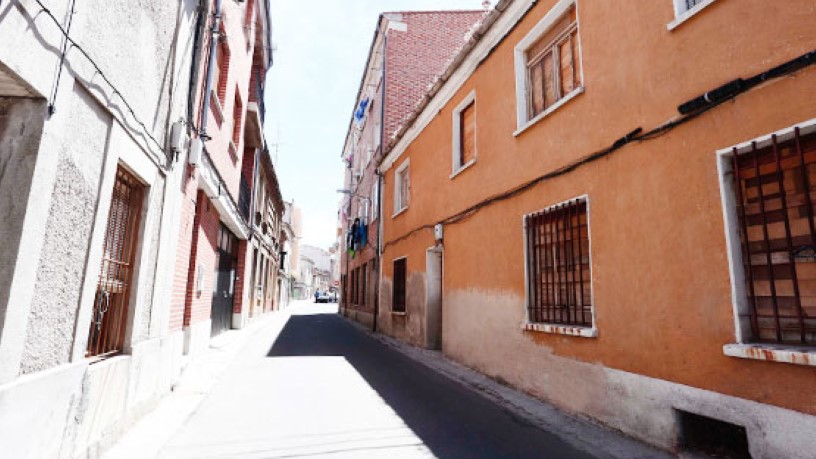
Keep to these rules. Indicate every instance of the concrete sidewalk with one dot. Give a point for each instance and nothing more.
(307, 383)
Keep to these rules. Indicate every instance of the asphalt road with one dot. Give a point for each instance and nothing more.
(324, 388)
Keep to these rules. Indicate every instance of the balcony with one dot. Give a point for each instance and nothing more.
(253, 128)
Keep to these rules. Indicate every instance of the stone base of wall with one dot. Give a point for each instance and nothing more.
(197, 337)
(363, 317)
(482, 328)
(79, 410)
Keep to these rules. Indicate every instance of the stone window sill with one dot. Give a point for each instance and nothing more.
(398, 313)
(583, 332)
(772, 353)
(462, 168)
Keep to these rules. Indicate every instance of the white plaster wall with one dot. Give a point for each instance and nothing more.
(639, 406)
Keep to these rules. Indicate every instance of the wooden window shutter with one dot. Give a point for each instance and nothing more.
(467, 126)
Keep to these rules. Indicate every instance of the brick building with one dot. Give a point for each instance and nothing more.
(621, 194)
(408, 52)
(231, 205)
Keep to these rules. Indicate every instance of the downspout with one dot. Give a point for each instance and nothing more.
(199, 31)
(380, 183)
(210, 67)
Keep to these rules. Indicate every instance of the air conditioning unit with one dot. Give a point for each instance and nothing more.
(196, 150)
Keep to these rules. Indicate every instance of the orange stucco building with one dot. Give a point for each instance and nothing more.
(571, 232)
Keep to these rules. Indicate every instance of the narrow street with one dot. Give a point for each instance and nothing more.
(325, 388)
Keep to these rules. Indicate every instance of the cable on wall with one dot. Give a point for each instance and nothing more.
(116, 91)
(688, 110)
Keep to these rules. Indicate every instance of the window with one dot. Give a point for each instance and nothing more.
(552, 67)
(464, 133)
(558, 267)
(548, 64)
(684, 9)
(774, 194)
(220, 77)
(363, 284)
(398, 303)
(402, 187)
(110, 311)
(237, 118)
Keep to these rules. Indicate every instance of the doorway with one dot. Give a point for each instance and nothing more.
(224, 292)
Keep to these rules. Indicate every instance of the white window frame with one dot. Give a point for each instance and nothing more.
(559, 329)
(743, 348)
(683, 14)
(523, 122)
(456, 147)
(398, 204)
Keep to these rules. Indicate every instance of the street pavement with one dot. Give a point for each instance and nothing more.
(314, 385)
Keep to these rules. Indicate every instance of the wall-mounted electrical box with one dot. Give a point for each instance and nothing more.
(178, 136)
(196, 150)
(438, 232)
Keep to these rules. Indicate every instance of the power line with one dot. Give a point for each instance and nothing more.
(116, 91)
(690, 110)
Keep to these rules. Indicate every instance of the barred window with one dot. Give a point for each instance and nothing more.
(110, 311)
(398, 304)
(559, 280)
(774, 197)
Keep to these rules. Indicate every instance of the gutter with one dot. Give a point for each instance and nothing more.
(379, 190)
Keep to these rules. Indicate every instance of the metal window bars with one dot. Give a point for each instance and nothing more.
(778, 238)
(107, 331)
(559, 281)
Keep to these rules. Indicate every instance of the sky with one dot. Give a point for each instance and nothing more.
(320, 51)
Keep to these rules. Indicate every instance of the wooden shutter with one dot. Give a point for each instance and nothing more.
(467, 129)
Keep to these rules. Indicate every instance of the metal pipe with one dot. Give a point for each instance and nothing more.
(380, 183)
(210, 67)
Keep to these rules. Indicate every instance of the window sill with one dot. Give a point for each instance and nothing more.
(401, 211)
(462, 168)
(574, 93)
(218, 109)
(772, 353)
(398, 313)
(583, 332)
(688, 14)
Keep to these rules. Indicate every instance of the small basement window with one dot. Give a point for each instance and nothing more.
(712, 437)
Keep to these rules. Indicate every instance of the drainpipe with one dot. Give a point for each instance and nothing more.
(380, 182)
(210, 68)
(199, 31)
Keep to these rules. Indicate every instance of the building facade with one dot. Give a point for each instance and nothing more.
(92, 162)
(408, 52)
(223, 254)
(610, 208)
(101, 133)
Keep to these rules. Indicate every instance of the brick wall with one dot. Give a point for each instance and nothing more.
(416, 57)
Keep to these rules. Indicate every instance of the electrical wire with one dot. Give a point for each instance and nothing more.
(637, 135)
(51, 104)
(116, 91)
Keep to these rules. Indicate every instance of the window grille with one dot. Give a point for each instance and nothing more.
(559, 280)
(553, 65)
(692, 3)
(775, 195)
(110, 311)
(398, 304)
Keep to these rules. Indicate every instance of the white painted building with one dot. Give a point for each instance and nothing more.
(85, 140)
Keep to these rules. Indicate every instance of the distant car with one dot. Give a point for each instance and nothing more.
(323, 297)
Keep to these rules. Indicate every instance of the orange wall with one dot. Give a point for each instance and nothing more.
(662, 292)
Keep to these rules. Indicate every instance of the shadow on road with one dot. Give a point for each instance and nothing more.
(451, 420)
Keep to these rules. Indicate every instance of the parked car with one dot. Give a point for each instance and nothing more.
(323, 297)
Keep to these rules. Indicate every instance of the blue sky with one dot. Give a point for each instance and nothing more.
(320, 51)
